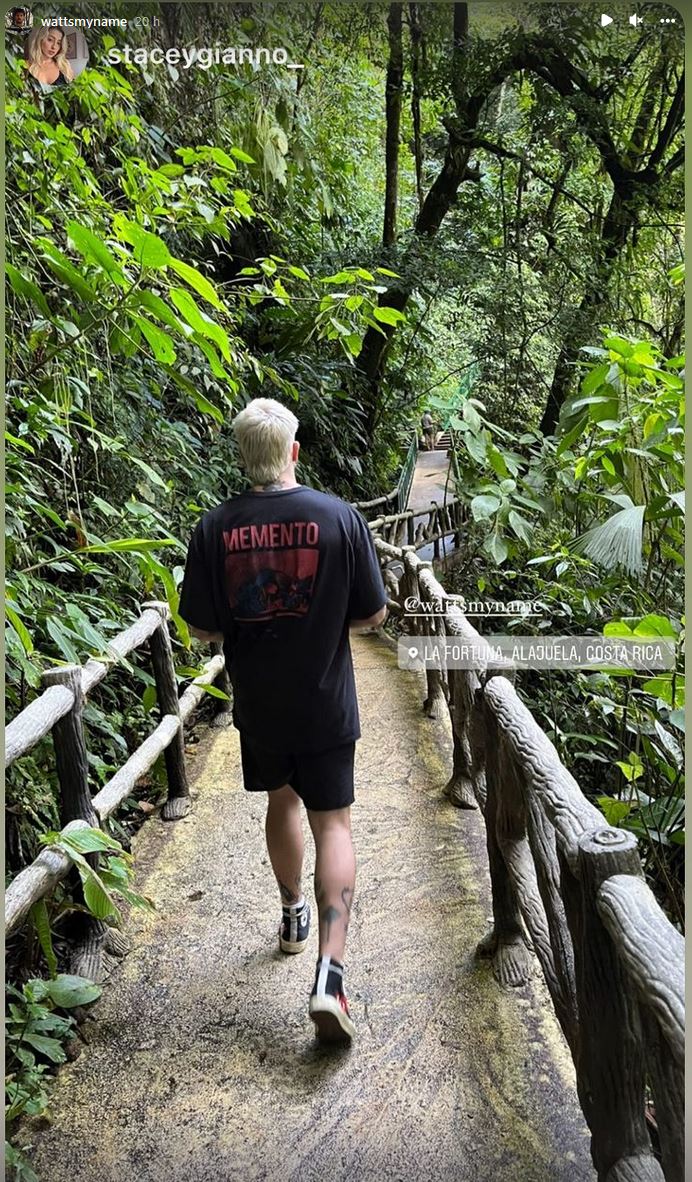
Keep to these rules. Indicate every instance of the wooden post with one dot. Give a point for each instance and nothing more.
(409, 530)
(88, 935)
(223, 711)
(611, 1060)
(70, 750)
(456, 514)
(178, 803)
(505, 942)
(461, 788)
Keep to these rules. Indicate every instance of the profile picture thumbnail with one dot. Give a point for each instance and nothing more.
(19, 19)
(55, 56)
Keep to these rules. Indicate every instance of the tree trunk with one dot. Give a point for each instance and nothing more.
(619, 220)
(395, 76)
(416, 39)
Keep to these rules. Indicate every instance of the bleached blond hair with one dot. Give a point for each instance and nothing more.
(265, 431)
(34, 54)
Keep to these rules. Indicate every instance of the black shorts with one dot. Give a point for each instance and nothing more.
(322, 779)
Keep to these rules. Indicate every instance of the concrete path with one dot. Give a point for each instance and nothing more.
(429, 480)
(428, 484)
(202, 1064)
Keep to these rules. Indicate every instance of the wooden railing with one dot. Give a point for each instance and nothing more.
(397, 499)
(569, 887)
(424, 527)
(59, 710)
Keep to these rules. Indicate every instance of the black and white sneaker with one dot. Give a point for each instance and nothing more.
(295, 927)
(328, 1005)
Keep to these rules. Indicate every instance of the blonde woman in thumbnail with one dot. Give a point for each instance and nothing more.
(45, 52)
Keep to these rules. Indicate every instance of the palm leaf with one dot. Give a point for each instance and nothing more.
(617, 542)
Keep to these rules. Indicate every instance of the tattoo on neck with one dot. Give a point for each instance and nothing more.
(273, 485)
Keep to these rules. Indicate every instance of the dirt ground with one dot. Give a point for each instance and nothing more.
(202, 1064)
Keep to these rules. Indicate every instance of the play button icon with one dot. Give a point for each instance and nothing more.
(605, 19)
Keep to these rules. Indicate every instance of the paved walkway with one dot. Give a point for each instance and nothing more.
(429, 480)
(429, 484)
(202, 1065)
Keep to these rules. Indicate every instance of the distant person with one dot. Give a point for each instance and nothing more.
(44, 49)
(281, 574)
(428, 430)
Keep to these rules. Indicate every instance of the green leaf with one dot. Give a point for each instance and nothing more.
(197, 281)
(201, 402)
(20, 629)
(88, 841)
(61, 266)
(662, 687)
(471, 416)
(242, 156)
(19, 442)
(614, 811)
(148, 249)
(27, 288)
(41, 922)
(631, 770)
(68, 990)
(476, 445)
(160, 309)
(522, 528)
(149, 472)
(126, 545)
(484, 506)
(655, 625)
(201, 323)
(97, 897)
(149, 699)
(496, 546)
(388, 315)
(51, 1048)
(215, 692)
(94, 250)
(160, 342)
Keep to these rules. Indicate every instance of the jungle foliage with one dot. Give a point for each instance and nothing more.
(476, 212)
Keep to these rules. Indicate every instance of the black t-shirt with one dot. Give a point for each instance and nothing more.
(281, 574)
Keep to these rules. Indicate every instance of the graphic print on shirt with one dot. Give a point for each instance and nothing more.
(267, 574)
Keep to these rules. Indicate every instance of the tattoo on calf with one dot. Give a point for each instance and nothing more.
(286, 892)
(330, 914)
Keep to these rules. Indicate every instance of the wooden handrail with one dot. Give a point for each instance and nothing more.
(565, 879)
(41, 715)
(58, 710)
(400, 493)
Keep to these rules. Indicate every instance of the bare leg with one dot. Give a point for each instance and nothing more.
(285, 845)
(335, 877)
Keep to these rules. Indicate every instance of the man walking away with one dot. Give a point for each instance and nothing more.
(280, 574)
(428, 430)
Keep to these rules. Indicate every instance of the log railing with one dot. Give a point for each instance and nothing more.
(567, 887)
(59, 710)
(423, 527)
